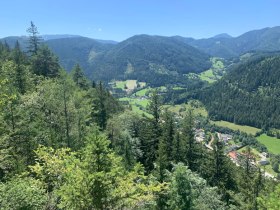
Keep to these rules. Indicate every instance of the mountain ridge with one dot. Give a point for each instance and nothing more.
(266, 39)
(142, 54)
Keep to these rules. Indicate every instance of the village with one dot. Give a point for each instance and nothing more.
(236, 152)
(137, 96)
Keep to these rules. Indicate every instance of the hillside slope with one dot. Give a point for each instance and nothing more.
(249, 94)
(77, 50)
(147, 57)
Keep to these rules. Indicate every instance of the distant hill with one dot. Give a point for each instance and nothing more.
(106, 41)
(11, 41)
(147, 58)
(223, 35)
(75, 50)
(249, 94)
(267, 39)
(71, 49)
(58, 36)
(153, 57)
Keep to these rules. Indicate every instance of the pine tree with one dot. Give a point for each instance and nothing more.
(79, 77)
(178, 148)
(20, 71)
(168, 132)
(4, 51)
(221, 170)
(167, 138)
(147, 145)
(34, 39)
(99, 112)
(251, 180)
(161, 161)
(45, 63)
(180, 189)
(192, 148)
(154, 107)
(161, 166)
(7, 47)
(93, 84)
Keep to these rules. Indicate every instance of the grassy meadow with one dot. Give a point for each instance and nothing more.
(233, 126)
(272, 143)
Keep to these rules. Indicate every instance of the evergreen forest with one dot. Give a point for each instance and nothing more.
(67, 142)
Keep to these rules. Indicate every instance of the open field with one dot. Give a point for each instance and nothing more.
(142, 92)
(182, 109)
(272, 143)
(212, 75)
(207, 76)
(217, 64)
(128, 84)
(136, 101)
(242, 128)
(131, 84)
(178, 88)
(137, 105)
(120, 84)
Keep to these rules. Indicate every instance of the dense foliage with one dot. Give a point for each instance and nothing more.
(248, 94)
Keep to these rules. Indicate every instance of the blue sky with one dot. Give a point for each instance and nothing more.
(120, 19)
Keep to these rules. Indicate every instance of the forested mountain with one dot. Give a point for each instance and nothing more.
(146, 57)
(11, 41)
(79, 50)
(267, 39)
(70, 49)
(249, 94)
(137, 57)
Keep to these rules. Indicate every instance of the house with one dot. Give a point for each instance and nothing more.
(263, 162)
(199, 135)
(224, 137)
(233, 155)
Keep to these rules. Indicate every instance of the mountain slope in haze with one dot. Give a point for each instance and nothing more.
(77, 50)
(223, 35)
(249, 94)
(11, 41)
(47, 37)
(70, 49)
(152, 57)
(143, 56)
(267, 39)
